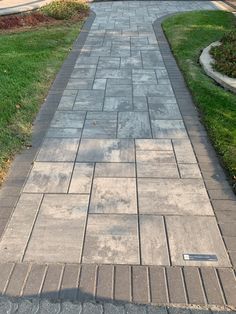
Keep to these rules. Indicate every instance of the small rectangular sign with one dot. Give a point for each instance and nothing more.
(200, 257)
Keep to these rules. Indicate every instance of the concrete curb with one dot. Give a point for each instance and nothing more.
(206, 61)
(24, 7)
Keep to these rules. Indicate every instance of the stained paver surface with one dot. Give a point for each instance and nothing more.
(116, 180)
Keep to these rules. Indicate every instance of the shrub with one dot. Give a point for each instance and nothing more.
(64, 9)
(225, 55)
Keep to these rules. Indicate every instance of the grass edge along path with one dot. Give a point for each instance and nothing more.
(188, 34)
(29, 63)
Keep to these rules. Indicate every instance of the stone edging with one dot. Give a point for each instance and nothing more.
(206, 61)
(22, 164)
(222, 197)
(178, 286)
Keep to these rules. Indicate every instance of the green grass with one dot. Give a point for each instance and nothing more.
(29, 61)
(188, 34)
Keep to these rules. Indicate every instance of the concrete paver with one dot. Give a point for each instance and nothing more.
(116, 180)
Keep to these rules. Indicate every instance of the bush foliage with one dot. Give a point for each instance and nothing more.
(225, 55)
(64, 9)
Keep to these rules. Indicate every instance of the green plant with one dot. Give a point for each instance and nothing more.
(188, 34)
(64, 9)
(225, 55)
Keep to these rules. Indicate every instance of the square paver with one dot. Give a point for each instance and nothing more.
(195, 235)
(168, 129)
(115, 170)
(100, 84)
(154, 250)
(82, 176)
(173, 196)
(133, 125)
(49, 177)
(108, 150)
(68, 119)
(58, 149)
(111, 239)
(90, 100)
(67, 102)
(113, 196)
(59, 230)
(140, 103)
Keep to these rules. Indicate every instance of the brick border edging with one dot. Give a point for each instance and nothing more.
(179, 286)
(222, 197)
(22, 163)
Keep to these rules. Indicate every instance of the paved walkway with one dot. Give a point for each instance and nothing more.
(116, 180)
(18, 6)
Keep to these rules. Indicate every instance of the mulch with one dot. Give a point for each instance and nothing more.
(23, 20)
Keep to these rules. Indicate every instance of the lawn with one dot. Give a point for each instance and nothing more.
(188, 34)
(29, 62)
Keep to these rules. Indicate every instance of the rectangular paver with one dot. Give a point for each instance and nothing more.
(59, 229)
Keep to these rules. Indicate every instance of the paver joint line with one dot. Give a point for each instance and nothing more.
(117, 189)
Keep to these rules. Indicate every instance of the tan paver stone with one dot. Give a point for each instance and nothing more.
(49, 177)
(154, 249)
(157, 170)
(114, 195)
(82, 178)
(111, 239)
(195, 235)
(16, 236)
(106, 150)
(173, 196)
(168, 129)
(184, 151)
(56, 149)
(59, 229)
(155, 156)
(189, 171)
(115, 170)
(153, 144)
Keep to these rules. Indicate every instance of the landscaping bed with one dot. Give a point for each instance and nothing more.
(225, 55)
(29, 61)
(189, 34)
